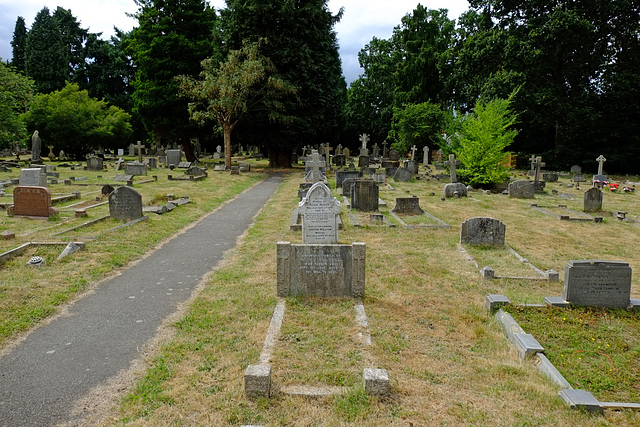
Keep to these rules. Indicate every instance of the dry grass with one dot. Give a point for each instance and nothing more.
(448, 361)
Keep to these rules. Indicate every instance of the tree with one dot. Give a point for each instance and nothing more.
(77, 123)
(45, 54)
(19, 44)
(16, 93)
(73, 38)
(245, 82)
(304, 49)
(484, 134)
(417, 124)
(171, 40)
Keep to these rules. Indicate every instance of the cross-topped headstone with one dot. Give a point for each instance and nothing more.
(316, 162)
(537, 164)
(339, 149)
(327, 151)
(364, 138)
(533, 160)
(425, 159)
(139, 146)
(452, 163)
(413, 152)
(384, 149)
(600, 161)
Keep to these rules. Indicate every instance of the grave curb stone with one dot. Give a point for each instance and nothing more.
(257, 381)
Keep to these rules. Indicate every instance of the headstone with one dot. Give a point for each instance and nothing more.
(119, 163)
(347, 185)
(220, 167)
(413, 152)
(347, 153)
(342, 175)
(425, 157)
(132, 149)
(33, 177)
(135, 168)
(411, 165)
(95, 163)
(365, 195)
(521, 189)
(597, 283)
(576, 169)
(125, 203)
(120, 152)
(403, 175)
(394, 156)
(380, 177)
(32, 201)
(482, 231)
(452, 163)
(152, 162)
(593, 200)
(579, 177)
(106, 190)
(174, 157)
(315, 175)
(195, 171)
(51, 155)
(339, 160)
(376, 151)
(320, 212)
(408, 205)
(550, 177)
(36, 146)
(600, 177)
(454, 189)
(364, 138)
(363, 161)
(321, 270)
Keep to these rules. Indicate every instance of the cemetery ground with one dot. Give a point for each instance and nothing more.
(448, 360)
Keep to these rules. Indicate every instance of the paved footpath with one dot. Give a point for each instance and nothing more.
(105, 331)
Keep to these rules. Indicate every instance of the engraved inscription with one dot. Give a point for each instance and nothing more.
(598, 285)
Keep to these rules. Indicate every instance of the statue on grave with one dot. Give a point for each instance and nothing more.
(51, 156)
(36, 146)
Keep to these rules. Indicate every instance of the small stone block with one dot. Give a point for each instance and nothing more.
(81, 213)
(527, 345)
(7, 235)
(581, 399)
(376, 381)
(257, 381)
(487, 273)
(552, 275)
(556, 302)
(494, 302)
(634, 304)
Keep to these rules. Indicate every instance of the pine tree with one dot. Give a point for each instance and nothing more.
(74, 38)
(171, 40)
(45, 54)
(19, 44)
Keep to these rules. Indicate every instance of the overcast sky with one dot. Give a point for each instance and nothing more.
(362, 20)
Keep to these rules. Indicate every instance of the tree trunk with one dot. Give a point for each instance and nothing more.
(279, 157)
(227, 144)
(188, 149)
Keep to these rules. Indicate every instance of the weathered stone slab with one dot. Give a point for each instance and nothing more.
(365, 195)
(454, 188)
(321, 270)
(320, 211)
(125, 203)
(33, 177)
(408, 205)
(173, 157)
(581, 399)
(482, 231)
(32, 201)
(257, 381)
(135, 168)
(403, 175)
(597, 283)
(593, 200)
(494, 301)
(376, 381)
(521, 189)
(550, 176)
(342, 175)
(95, 163)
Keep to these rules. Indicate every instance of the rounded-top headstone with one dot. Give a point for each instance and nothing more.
(482, 231)
(125, 203)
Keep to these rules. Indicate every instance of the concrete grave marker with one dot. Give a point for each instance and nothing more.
(482, 231)
(32, 201)
(408, 205)
(315, 164)
(95, 163)
(125, 203)
(365, 195)
(33, 177)
(425, 156)
(320, 212)
(135, 168)
(593, 200)
(174, 157)
(597, 283)
(521, 189)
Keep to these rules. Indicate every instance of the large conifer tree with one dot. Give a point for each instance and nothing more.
(19, 44)
(45, 54)
(303, 47)
(172, 39)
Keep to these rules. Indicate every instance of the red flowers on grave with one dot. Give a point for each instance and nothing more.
(613, 186)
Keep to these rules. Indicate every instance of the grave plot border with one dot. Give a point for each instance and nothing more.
(489, 273)
(12, 253)
(356, 223)
(257, 377)
(530, 349)
(440, 223)
(582, 217)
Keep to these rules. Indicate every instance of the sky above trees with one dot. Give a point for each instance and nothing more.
(362, 20)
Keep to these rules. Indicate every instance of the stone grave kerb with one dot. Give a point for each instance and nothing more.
(452, 163)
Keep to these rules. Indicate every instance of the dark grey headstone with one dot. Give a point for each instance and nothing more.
(576, 169)
(593, 200)
(408, 205)
(550, 176)
(174, 157)
(364, 195)
(597, 283)
(342, 175)
(453, 188)
(95, 164)
(403, 175)
(521, 189)
(482, 231)
(135, 169)
(347, 184)
(106, 190)
(125, 203)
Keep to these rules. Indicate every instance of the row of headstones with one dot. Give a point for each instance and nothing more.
(597, 283)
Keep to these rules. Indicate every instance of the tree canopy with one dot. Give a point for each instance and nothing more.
(16, 94)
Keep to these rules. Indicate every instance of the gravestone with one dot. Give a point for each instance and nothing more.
(425, 156)
(394, 156)
(402, 175)
(550, 177)
(125, 203)
(174, 157)
(196, 171)
(579, 177)
(521, 189)
(365, 195)
(220, 167)
(132, 149)
(342, 175)
(320, 215)
(321, 270)
(347, 153)
(32, 201)
(380, 177)
(482, 231)
(120, 152)
(597, 283)
(576, 169)
(135, 168)
(411, 165)
(314, 166)
(218, 153)
(152, 162)
(454, 189)
(36, 147)
(119, 163)
(593, 200)
(408, 205)
(339, 160)
(347, 185)
(33, 177)
(600, 177)
(95, 163)
(106, 190)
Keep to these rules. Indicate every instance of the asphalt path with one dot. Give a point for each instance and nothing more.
(59, 363)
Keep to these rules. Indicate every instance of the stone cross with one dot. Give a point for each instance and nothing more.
(533, 160)
(452, 163)
(425, 159)
(364, 138)
(413, 152)
(327, 151)
(139, 147)
(339, 149)
(384, 149)
(315, 164)
(537, 165)
(600, 161)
